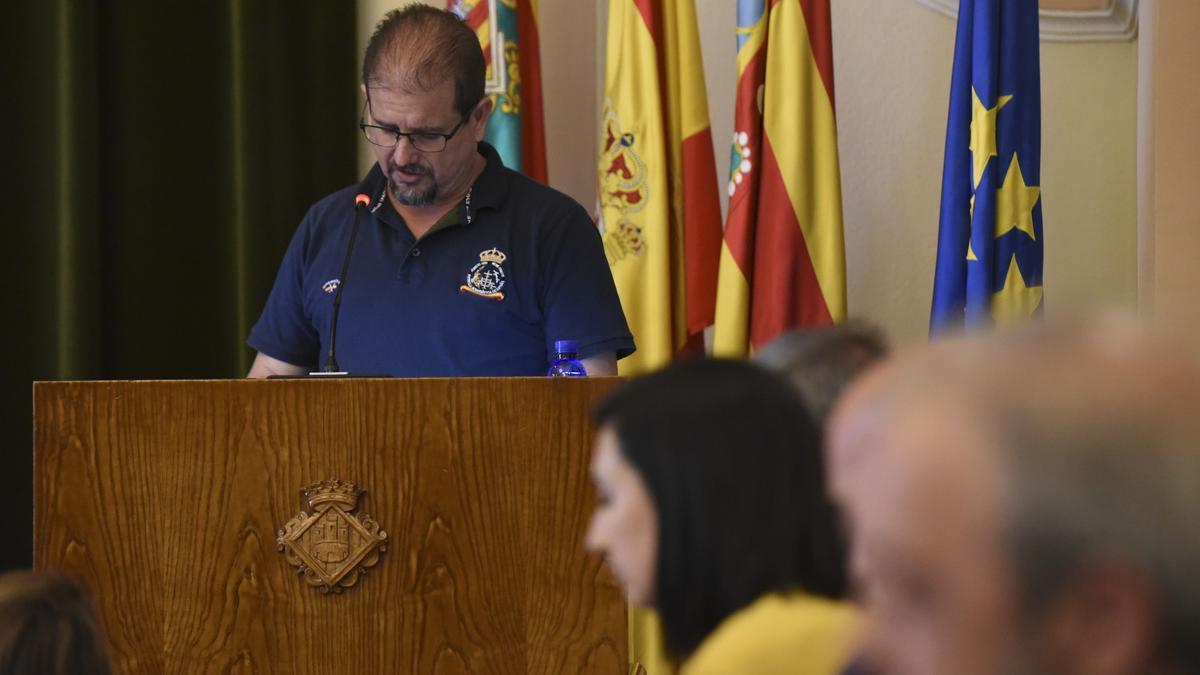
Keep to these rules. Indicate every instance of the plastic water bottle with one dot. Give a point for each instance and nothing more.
(566, 362)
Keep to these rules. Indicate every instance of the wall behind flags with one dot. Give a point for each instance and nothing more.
(892, 63)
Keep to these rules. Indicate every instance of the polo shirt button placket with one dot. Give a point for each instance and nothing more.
(412, 270)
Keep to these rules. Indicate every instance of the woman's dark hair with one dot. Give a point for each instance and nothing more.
(47, 627)
(733, 463)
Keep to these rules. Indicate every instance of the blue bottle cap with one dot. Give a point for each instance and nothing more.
(566, 346)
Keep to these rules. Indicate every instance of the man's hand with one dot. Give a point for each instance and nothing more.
(601, 365)
(264, 366)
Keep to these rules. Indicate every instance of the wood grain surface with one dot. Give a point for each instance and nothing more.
(166, 497)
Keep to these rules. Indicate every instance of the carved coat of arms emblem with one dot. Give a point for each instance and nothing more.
(332, 546)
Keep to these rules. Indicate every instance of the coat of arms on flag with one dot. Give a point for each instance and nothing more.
(508, 33)
(623, 189)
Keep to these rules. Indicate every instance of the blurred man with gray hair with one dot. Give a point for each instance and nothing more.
(820, 362)
(1026, 503)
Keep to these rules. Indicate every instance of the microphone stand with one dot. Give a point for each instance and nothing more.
(331, 367)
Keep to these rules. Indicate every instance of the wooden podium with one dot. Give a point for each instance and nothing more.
(182, 505)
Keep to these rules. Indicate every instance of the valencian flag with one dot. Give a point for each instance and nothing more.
(783, 263)
(989, 257)
(659, 209)
(508, 33)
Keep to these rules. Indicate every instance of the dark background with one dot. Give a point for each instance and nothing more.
(157, 159)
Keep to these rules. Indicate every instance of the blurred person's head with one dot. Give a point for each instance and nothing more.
(821, 361)
(709, 476)
(1025, 503)
(47, 627)
(852, 437)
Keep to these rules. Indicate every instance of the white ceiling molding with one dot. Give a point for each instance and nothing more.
(1116, 23)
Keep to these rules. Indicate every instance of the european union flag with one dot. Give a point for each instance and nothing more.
(989, 258)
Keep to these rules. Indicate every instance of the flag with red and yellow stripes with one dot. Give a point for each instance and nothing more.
(508, 33)
(783, 261)
(659, 210)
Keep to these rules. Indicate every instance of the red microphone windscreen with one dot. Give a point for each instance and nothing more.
(361, 199)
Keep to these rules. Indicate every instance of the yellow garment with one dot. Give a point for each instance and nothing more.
(796, 634)
(646, 653)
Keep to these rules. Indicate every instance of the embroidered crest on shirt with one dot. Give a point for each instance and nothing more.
(486, 278)
(331, 285)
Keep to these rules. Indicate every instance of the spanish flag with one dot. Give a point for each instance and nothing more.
(783, 262)
(659, 211)
(508, 33)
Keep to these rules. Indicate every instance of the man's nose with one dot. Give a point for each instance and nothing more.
(404, 153)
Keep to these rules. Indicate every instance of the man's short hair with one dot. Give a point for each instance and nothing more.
(418, 47)
(820, 361)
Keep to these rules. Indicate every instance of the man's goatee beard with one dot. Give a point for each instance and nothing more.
(414, 198)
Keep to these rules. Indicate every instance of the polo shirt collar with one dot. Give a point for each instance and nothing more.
(491, 187)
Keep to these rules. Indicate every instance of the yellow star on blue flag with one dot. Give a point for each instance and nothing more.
(990, 243)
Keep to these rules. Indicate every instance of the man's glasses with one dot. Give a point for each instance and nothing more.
(422, 141)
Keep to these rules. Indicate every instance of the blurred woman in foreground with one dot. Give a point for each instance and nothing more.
(712, 510)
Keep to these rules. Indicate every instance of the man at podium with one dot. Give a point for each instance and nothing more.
(442, 262)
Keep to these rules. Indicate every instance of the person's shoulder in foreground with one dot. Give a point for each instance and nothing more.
(47, 627)
(794, 633)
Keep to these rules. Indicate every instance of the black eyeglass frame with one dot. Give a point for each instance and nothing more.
(363, 126)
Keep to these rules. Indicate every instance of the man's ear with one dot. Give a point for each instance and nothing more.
(1107, 619)
(480, 117)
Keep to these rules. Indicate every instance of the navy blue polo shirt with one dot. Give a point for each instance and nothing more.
(514, 267)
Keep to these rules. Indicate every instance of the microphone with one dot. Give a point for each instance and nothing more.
(331, 365)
